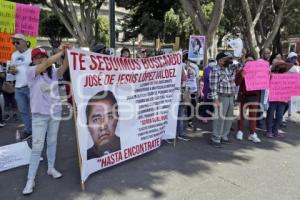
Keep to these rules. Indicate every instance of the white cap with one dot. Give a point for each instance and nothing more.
(292, 54)
(19, 36)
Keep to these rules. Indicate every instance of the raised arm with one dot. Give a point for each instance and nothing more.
(62, 69)
(49, 62)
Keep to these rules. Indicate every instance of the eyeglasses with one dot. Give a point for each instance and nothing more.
(16, 42)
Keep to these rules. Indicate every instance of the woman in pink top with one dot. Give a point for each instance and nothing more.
(46, 110)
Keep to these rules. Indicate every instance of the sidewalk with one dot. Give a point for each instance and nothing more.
(191, 170)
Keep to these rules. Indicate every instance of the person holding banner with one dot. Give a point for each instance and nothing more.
(276, 108)
(46, 110)
(223, 88)
(248, 100)
(20, 61)
(102, 119)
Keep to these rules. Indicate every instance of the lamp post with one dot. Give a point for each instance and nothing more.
(112, 24)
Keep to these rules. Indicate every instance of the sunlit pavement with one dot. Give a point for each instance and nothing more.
(190, 170)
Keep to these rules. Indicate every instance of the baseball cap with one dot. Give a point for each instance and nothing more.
(98, 48)
(223, 55)
(38, 51)
(19, 36)
(292, 54)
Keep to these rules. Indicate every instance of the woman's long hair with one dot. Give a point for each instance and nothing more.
(49, 70)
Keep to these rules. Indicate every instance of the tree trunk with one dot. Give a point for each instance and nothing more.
(276, 25)
(81, 26)
(206, 27)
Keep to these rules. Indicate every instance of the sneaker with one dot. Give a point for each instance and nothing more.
(2, 124)
(289, 119)
(215, 144)
(6, 117)
(225, 141)
(283, 124)
(25, 136)
(279, 135)
(269, 135)
(254, 138)
(183, 138)
(239, 135)
(54, 173)
(29, 187)
(15, 117)
(196, 129)
(204, 121)
(168, 141)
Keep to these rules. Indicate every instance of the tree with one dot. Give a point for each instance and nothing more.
(264, 26)
(103, 28)
(47, 21)
(206, 16)
(145, 17)
(79, 17)
(177, 23)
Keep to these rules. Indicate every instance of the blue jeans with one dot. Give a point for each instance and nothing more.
(277, 109)
(180, 121)
(23, 103)
(43, 125)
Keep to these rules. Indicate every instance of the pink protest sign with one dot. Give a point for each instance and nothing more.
(27, 19)
(284, 86)
(257, 75)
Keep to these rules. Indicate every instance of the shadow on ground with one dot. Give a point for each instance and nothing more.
(141, 174)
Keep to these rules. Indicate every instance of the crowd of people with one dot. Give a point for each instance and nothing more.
(207, 94)
(214, 95)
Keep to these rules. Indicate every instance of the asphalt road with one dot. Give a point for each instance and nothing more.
(191, 170)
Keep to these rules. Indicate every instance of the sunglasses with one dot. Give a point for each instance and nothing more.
(16, 42)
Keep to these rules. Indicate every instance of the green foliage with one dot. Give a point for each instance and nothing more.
(102, 33)
(177, 24)
(146, 17)
(50, 26)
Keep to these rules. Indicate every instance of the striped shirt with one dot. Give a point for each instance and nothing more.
(222, 80)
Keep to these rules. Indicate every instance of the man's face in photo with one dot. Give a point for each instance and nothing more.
(102, 122)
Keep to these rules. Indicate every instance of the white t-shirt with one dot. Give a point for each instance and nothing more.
(22, 61)
(294, 69)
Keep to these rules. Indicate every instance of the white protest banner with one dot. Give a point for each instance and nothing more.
(14, 155)
(124, 106)
(196, 47)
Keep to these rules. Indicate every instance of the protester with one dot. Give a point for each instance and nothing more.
(207, 106)
(222, 85)
(292, 58)
(192, 84)
(10, 104)
(125, 52)
(276, 108)
(2, 124)
(248, 100)
(185, 96)
(265, 54)
(20, 63)
(46, 110)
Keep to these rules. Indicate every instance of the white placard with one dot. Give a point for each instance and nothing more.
(14, 155)
(295, 104)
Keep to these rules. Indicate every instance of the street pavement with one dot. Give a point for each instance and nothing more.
(191, 170)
